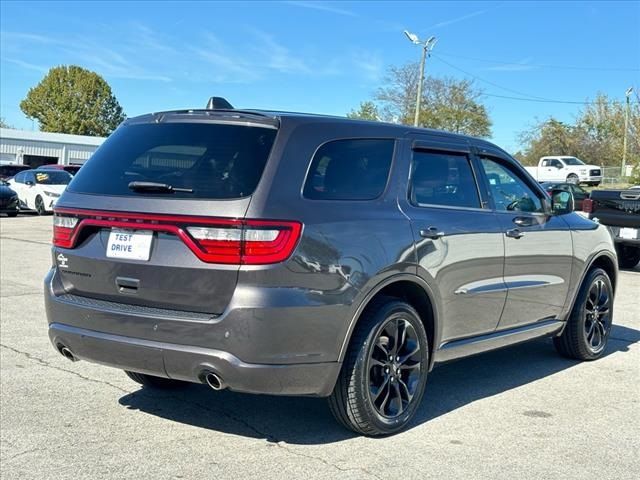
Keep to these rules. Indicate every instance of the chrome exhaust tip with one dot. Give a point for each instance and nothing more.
(214, 381)
(68, 354)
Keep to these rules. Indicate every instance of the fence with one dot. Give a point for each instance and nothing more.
(612, 175)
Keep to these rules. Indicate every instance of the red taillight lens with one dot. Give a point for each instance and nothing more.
(63, 229)
(587, 205)
(254, 243)
(212, 240)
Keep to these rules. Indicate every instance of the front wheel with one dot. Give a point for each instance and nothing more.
(573, 178)
(587, 331)
(384, 374)
(40, 210)
(628, 256)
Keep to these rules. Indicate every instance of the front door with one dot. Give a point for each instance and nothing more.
(460, 245)
(538, 246)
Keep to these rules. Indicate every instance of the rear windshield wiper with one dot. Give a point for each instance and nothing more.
(157, 187)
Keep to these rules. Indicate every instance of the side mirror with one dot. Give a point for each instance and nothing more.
(29, 183)
(558, 166)
(562, 202)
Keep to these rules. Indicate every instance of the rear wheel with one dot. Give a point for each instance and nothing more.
(628, 256)
(573, 178)
(383, 377)
(40, 210)
(589, 325)
(154, 382)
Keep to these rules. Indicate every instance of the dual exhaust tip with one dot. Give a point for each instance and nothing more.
(214, 381)
(66, 353)
(210, 378)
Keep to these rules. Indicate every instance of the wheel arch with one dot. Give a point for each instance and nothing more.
(414, 291)
(602, 259)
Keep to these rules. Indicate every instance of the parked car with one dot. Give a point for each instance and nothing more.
(9, 171)
(291, 254)
(562, 169)
(579, 193)
(8, 200)
(40, 189)
(620, 211)
(72, 169)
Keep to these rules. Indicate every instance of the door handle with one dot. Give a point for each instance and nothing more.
(514, 233)
(432, 233)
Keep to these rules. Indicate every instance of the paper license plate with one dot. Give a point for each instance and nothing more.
(630, 233)
(129, 244)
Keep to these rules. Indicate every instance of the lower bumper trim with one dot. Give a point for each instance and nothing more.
(183, 362)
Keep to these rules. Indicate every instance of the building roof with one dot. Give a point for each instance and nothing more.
(9, 133)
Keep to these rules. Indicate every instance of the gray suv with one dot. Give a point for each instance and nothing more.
(293, 254)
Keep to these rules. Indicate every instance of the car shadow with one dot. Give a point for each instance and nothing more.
(307, 421)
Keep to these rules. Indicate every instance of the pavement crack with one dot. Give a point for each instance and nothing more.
(4, 237)
(44, 363)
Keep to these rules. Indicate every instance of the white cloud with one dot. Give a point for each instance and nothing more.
(324, 7)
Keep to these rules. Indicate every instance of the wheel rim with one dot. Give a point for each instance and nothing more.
(573, 179)
(597, 311)
(39, 205)
(394, 368)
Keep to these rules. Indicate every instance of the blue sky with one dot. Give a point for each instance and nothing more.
(324, 57)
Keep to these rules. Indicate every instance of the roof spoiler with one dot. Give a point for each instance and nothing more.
(218, 103)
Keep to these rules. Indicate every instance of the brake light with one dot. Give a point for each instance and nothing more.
(212, 240)
(63, 228)
(588, 205)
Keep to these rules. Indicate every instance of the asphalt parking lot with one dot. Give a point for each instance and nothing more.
(523, 412)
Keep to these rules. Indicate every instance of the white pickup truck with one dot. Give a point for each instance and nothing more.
(566, 169)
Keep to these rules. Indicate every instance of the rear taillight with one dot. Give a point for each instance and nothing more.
(63, 229)
(212, 240)
(588, 205)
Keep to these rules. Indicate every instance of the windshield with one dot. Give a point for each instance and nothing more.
(53, 178)
(198, 160)
(572, 161)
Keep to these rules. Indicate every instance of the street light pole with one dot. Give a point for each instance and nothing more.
(626, 131)
(427, 46)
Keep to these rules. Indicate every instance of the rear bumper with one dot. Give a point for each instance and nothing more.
(270, 348)
(189, 363)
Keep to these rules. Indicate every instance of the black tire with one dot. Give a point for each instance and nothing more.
(40, 210)
(573, 178)
(351, 401)
(154, 382)
(590, 319)
(628, 256)
(12, 214)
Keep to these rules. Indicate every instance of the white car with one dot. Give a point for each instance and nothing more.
(40, 189)
(566, 169)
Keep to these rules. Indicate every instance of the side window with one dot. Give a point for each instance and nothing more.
(545, 163)
(29, 177)
(556, 163)
(509, 192)
(443, 179)
(19, 178)
(349, 170)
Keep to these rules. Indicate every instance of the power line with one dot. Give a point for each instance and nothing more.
(489, 81)
(545, 65)
(525, 97)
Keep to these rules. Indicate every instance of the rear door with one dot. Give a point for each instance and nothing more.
(538, 246)
(459, 242)
(156, 217)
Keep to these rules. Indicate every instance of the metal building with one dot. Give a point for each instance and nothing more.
(41, 148)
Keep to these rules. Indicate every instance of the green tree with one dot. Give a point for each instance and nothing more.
(446, 104)
(70, 99)
(596, 136)
(366, 111)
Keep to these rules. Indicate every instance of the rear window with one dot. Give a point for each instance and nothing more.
(214, 161)
(349, 170)
(53, 177)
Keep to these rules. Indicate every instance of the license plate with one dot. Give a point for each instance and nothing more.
(129, 244)
(630, 233)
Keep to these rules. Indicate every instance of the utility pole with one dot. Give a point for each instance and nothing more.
(626, 131)
(427, 46)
